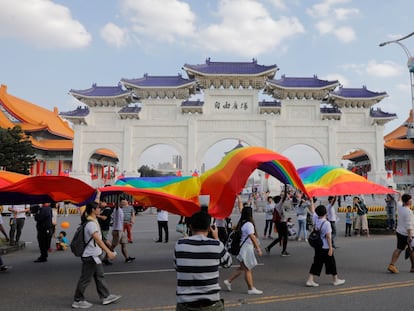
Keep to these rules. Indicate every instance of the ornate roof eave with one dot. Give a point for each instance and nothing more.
(354, 102)
(270, 73)
(105, 101)
(131, 86)
(282, 92)
(76, 120)
(400, 144)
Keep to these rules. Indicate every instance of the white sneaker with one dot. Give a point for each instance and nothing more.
(254, 291)
(228, 285)
(311, 284)
(338, 282)
(110, 299)
(83, 304)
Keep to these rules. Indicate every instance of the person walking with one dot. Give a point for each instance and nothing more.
(302, 211)
(91, 262)
(118, 236)
(361, 223)
(269, 208)
(324, 255)
(129, 218)
(281, 225)
(332, 218)
(162, 222)
(404, 231)
(43, 217)
(197, 259)
(246, 256)
(17, 220)
(390, 206)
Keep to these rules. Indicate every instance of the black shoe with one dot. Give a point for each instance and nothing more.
(158, 241)
(267, 250)
(4, 268)
(166, 241)
(40, 259)
(107, 262)
(129, 259)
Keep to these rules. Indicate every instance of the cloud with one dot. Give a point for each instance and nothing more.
(336, 76)
(42, 23)
(345, 34)
(162, 20)
(114, 35)
(279, 4)
(328, 19)
(386, 69)
(247, 29)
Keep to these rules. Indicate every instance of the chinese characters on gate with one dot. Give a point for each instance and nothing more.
(230, 105)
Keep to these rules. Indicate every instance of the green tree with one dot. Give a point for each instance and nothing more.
(16, 151)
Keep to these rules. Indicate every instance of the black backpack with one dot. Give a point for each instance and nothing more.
(315, 239)
(233, 242)
(77, 244)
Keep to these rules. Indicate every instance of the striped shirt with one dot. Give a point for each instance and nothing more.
(196, 260)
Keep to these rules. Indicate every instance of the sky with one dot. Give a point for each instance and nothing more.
(49, 47)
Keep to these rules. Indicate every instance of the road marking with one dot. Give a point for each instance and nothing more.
(153, 271)
(296, 296)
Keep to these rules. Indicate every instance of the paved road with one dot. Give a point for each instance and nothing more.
(149, 282)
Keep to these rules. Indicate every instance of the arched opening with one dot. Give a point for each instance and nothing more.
(160, 159)
(303, 155)
(103, 167)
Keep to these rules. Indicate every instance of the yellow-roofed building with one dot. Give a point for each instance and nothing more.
(51, 136)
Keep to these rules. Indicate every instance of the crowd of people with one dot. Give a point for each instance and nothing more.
(202, 249)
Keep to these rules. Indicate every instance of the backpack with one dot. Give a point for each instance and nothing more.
(233, 245)
(77, 244)
(276, 216)
(315, 239)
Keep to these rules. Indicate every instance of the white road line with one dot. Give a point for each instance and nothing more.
(152, 271)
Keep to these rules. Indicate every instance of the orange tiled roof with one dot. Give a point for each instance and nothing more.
(32, 117)
(52, 144)
(399, 144)
(106, 152)
(394, 140)
(401, 131)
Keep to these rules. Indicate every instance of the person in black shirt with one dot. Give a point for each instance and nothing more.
(43, 217)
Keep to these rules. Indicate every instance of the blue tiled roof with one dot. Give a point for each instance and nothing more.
(330, 110)
(192, 103)
(301, 82)
(134, 109)
(159, 81)
(240, 68)
(357, 92)
(265, 103)
(79, 112)
(101, 91)
(378, 113)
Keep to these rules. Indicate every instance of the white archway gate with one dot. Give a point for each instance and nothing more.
(318, 113)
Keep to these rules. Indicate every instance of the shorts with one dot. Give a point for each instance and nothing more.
(402, 241)
(118, 237)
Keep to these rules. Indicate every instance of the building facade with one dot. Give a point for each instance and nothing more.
(221, 100)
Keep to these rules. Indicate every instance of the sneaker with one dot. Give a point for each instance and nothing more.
(392, 268)
(110, 299)
(285, 254)
(311, 284)
(4, 268)
(254, 291)
(338, 282)
(83, 304)
(129, 259)
(228, 285)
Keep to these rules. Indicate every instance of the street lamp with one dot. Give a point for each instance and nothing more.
(410, 65)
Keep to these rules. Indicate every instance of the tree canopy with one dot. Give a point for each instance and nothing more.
(16, 151)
